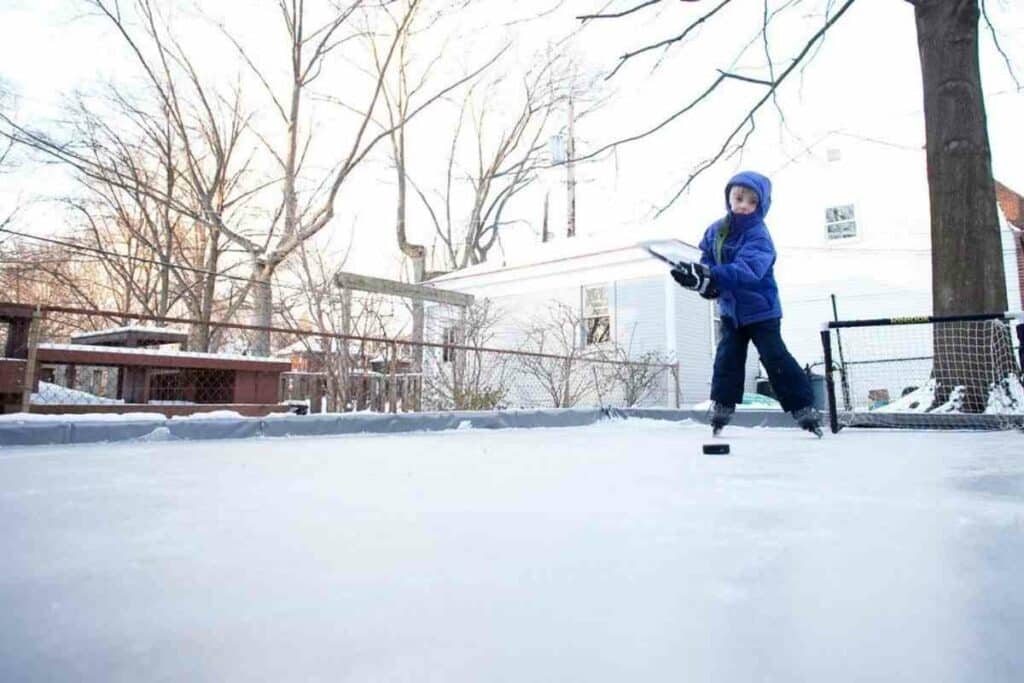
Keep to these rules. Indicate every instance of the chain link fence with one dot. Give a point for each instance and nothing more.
(100, 361)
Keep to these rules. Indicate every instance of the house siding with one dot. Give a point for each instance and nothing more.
(642, 316)
(638, 316)
(695, 348)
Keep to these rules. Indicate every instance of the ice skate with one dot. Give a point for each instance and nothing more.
(721, 415)
(808, 418)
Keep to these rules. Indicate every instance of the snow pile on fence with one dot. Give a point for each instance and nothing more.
(52, 393)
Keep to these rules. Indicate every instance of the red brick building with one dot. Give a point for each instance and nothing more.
(1012, 205)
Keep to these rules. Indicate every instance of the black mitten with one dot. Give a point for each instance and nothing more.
(683, 274)
(695, 276)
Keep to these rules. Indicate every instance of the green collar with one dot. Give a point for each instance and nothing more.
(720, 237)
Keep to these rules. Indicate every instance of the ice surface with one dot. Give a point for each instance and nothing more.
(616, 552)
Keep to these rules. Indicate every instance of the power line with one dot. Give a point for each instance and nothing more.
(114, 254)
(141, 259)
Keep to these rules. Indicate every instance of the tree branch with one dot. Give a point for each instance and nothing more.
(999, 47)
(616, 15)
(668, 41)
(749, 118)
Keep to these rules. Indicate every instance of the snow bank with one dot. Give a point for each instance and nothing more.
(1006, 397)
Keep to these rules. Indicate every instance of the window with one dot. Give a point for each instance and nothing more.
(450, 338)
(840, 223)
(596, 319)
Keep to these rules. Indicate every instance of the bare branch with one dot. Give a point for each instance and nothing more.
(616, 15)
(999, 47)
(749, 118)
(668, 41)
(748, 79)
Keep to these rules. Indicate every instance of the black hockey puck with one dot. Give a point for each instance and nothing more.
(716, 449)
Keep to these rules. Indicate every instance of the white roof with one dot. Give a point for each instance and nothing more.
(568, 253)
(144, 329)
(563, 250)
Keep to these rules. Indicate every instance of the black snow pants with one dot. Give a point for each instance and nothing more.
(788, 380)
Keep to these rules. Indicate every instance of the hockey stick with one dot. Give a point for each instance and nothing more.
(661, 257)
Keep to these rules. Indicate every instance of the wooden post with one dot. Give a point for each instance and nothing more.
(30, 366)
(675, 381)
(316, 394)
(392, 381)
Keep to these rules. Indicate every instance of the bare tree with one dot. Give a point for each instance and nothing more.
(156, 256)
(462, 375)
(208, 124)
(967, 265)
(317, 302)
(636, 375)
(401, 92)
(495, 152)
(6, 152)
(566, 378)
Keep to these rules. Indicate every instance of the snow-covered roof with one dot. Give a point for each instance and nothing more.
(156, 355)
(567, 251)
(159, 332)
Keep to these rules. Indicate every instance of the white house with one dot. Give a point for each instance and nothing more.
(619, 293)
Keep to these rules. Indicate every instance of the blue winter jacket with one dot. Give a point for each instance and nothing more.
(745, 277)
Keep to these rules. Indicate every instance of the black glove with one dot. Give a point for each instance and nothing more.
(695, 276)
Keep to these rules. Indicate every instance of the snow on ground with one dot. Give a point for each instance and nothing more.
(616, 552)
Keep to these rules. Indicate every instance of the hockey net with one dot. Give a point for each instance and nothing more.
(960, 372)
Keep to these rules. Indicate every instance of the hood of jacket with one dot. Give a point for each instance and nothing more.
(761, 186)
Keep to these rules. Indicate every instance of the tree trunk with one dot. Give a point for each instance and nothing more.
(967, 262)
(201, 336)
(262, 307)
(417, 253)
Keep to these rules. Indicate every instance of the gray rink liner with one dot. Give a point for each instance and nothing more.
(39, 433)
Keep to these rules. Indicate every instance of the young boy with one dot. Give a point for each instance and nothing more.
(736, 267)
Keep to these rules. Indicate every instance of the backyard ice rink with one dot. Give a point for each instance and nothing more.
(615, 552)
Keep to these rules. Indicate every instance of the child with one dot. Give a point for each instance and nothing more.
(736, 267)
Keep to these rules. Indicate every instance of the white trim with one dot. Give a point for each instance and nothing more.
(131, 328)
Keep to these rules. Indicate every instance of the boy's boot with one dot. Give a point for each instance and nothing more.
(721, 414)
(808, 418)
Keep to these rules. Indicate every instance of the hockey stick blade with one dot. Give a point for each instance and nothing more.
(661, 257)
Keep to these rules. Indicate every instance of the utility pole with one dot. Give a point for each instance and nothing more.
(571, 173)
(544, 234)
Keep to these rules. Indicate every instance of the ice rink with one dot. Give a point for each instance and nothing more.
(615, 552)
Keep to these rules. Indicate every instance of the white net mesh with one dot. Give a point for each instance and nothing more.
(924, 373)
